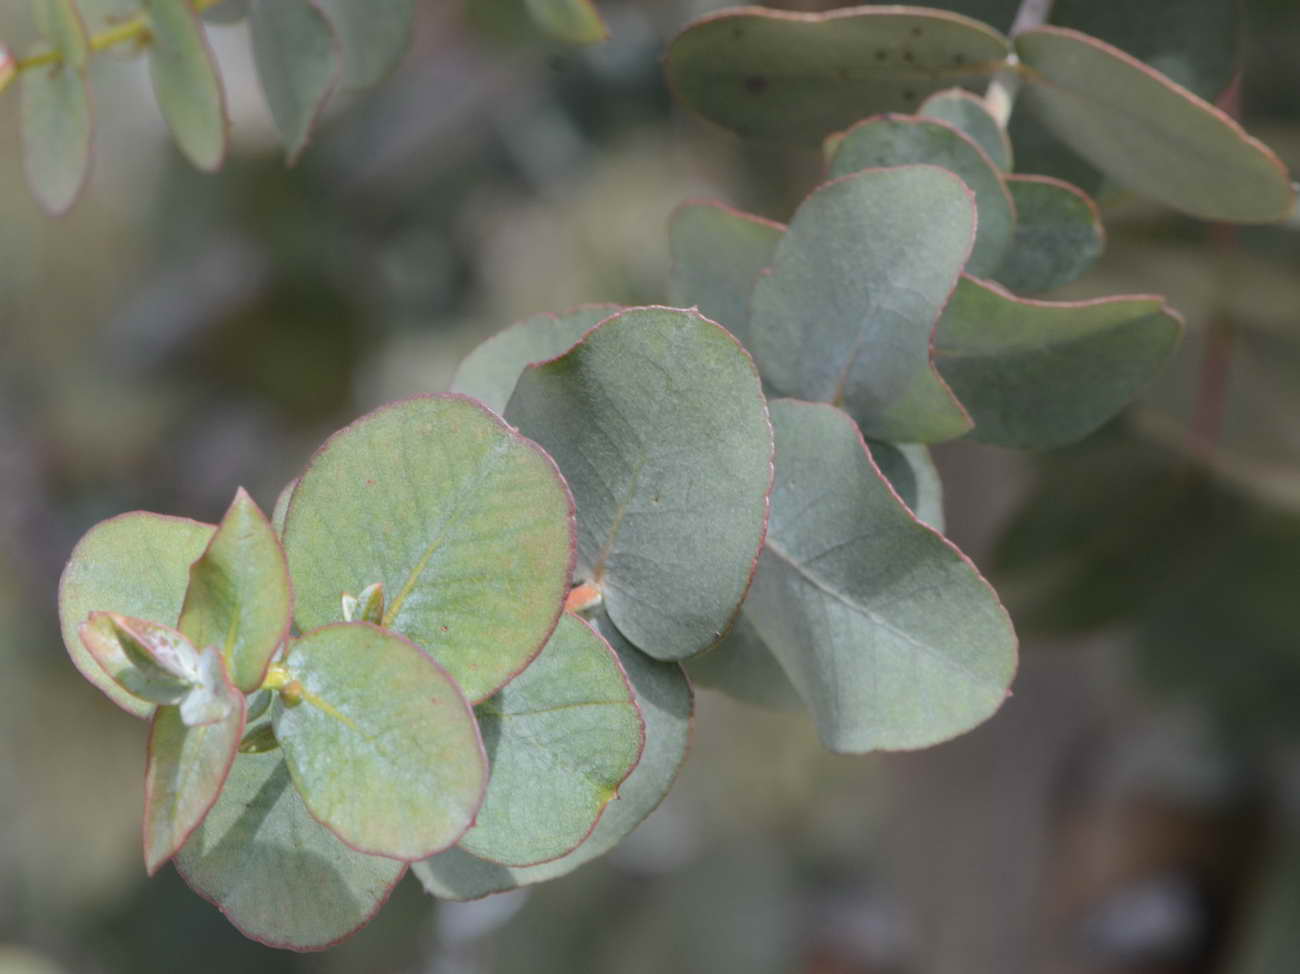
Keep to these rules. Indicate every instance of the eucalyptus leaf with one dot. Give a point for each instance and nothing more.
(298, 62)
(56, 132)
(277, 874)
(186, 83)
(1059, 235)
(718, 254)
(130, 665)
(489, 373)
(896, 140)
(664, 699)
(561, 737)
(658, 422)
(374, 35)
(571, 21)
(1149, 134)
(383, 747)
(61, 23)
(969, 113)
(744, 668)
(186, 769)
(467, 524)
(847, 311)
(1038, 374)
(889, 633)
(240, 597)
(775, 74)
(137, 565)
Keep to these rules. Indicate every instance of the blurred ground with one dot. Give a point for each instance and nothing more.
(1134, 809)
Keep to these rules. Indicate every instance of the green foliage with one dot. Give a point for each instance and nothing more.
(185, 82)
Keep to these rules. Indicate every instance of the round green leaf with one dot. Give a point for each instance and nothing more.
(1149, 134)
(773, 74)
(186, 83)
(240, 598)
(489, 373)
(847, 311)
(298, 62)
(1039, 374)
(467, 524)
(561, 737)
(383, 747)
(1059, 235)
(742, 667)
(56, 131)
(657, 420)
(571, 21)
(137, 565)
(374, 35)
(969, 114)
(665, 702)
(718, 254)
(889, 633)
(185, 772)
(896, 140)
(277, 874)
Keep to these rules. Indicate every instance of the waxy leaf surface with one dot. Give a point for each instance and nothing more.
(1059, 235)
(186, 770)
(383, 747)
(276, 873)
(889, 633)
(240, 598)
(186, 83)
(718, 254)
(1038, 374)
(561, 738)
(969, 113)
(847, 311)
(665, 702)
(298, 62)
(489, 373)
(1149, 134)
(744, 668)
(571, 21)
(374, 35)
(773, 74)
(658, 422)
(896, 140)
(113, 641)
(467, 524)
(136, 564)
(56, 133)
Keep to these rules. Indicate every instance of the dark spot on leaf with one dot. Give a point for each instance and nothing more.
(370, 483)
(443, 628)
(756, 84)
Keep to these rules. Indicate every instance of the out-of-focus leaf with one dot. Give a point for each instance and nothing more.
(571, 21)
(1038, 374)
(240, 598)
(658, 422)
(276, 873)
(1059, 235)
(186, 83)
(468, 525)
(774, 74)
(664, 699)
(718, 254)
(896, 140)
(56, 131)
(968, 113)
(298, 61)
(562, 737)
(374, 34)
(1148, 133)
(186, 769)
(61, 23)
(383, 747)
(742, 666)
(489, 373)
(847, 311)
(910, 470)
(136, 564)
(889, 633)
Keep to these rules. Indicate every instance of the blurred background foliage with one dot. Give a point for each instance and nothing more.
(1134, 809)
